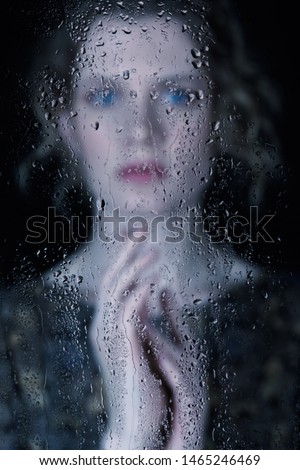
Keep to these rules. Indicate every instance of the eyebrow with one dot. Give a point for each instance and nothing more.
(181, 77)
(99, 78)
(104, 78)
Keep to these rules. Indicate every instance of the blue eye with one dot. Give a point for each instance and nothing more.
(103, 98)
(176, 97)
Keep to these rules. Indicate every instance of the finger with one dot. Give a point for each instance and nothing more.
(130, 256)
(123, 258)
(133, 274)
(130, 251)
(172, 306)
(188, 396)
(165, 315)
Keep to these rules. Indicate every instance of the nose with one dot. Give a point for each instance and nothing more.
(145, 125)
(141, 130)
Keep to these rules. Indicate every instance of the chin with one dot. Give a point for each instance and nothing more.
(141, 206)
(141, 201)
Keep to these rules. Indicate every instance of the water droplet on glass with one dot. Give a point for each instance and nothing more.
(216, 125)
(152, 288)
(199, 94)
(196, 53)
(144, 29)
(126, 74)
(95, 125)
(169, 110)
(100, 204)
(126, 30)
(47, 116)
(133, 94)
(197, 63)
(141, 4)
(154, 95)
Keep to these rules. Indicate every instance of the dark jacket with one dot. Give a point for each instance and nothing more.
(51, 394)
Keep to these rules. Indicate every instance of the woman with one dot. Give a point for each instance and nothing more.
(158, 115)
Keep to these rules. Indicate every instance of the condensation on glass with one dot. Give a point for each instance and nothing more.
(144, 311)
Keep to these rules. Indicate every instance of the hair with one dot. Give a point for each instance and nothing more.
(244, 141)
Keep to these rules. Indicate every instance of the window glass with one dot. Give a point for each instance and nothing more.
(149, 293)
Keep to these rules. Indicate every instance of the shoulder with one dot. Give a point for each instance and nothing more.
(253, 335)
(52, 392)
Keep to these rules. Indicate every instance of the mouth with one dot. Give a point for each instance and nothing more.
(142, 173)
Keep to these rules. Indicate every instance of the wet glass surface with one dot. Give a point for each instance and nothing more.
(149, 266)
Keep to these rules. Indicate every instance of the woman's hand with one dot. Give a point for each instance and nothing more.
(132, 394)
(180, 361)
(145, 354)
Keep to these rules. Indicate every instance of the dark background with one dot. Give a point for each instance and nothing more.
(271, 34)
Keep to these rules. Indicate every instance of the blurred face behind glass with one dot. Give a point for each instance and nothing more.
(142, 114)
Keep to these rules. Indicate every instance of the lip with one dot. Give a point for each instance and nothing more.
(142, 172)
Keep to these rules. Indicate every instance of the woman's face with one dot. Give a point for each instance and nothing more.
(142, 117)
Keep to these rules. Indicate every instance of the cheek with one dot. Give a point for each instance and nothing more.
(94, 138)
(188, 126)
(190, 155)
